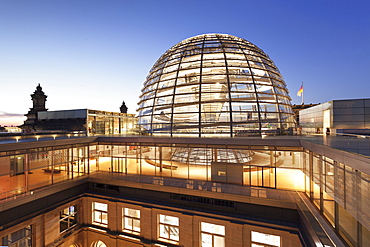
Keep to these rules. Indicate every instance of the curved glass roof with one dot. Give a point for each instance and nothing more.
(215, 85)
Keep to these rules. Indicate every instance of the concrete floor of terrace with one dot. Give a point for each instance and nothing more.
(358, 144)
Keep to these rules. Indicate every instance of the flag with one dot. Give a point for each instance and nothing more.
(300, 91)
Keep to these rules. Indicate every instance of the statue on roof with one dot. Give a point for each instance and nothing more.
(38, 99)
(123, 107)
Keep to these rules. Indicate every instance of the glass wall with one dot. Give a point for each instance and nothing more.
(351, 114)
(110, 123)
(312, 119)
(34, 168)
(261, 166)
(341, 116)
(341, 193)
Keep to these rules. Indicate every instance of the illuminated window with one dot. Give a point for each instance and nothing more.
(265, 240)
(68, 218)
(212, 235)
(20, 238)
(100, 214)
(169, 229)
(131, 220)
(221, 173)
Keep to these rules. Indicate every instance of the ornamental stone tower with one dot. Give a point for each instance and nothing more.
(38, 99)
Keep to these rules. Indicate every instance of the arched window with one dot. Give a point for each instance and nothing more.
(98, 243)
(75, 245)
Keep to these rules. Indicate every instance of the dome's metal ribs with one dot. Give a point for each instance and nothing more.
(202, 86)
(200, 89)
(229, 88)
(174, 92)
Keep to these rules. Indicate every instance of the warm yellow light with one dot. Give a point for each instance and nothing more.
(54, 136)
(37, 137)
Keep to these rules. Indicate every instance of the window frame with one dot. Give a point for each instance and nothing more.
(256, 243)
(132, 219)
(18, 242)
(70, 218)
(102, 214)
(168, 227)
(212, 234)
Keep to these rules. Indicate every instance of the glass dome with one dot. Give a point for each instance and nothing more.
(215, 85)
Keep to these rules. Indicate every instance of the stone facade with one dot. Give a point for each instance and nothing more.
(46, 226)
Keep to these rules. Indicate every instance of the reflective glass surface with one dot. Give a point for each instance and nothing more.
(215, 84)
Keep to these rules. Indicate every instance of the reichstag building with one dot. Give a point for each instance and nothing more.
(215, 159)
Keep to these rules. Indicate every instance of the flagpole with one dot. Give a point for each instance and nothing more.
(302, 94)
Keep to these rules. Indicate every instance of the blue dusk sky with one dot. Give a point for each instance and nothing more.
(95, 54)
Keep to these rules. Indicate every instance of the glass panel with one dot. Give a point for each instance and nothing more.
(206, 240)
(128, 223)
(20, 238)
(101, 206)
(132, 212)
(265, 238)
(174, 233)
(169, 220)
(136, 225)
(347, 226)
(163, 231)
(329, 207)
(104, 218)
(257, 245)
(219, 241)
(212, 228)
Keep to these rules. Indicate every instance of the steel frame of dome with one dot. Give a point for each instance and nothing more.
(215, 85)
